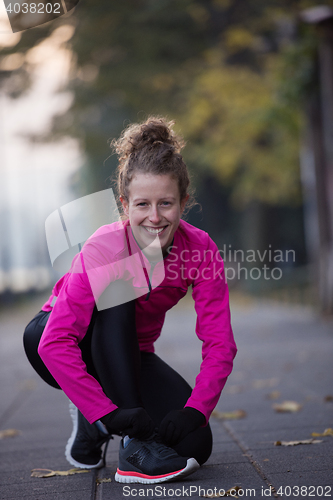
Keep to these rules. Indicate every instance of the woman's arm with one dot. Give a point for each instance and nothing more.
(59, 349)
(211, 297)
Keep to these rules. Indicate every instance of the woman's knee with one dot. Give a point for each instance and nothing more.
(32, 335)
(31, 338)
(197, 444)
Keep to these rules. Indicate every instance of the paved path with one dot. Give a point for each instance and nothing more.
(284, 353)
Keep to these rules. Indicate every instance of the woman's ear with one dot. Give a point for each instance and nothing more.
(124, 203)
(183, 203)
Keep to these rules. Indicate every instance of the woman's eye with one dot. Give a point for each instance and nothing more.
(144, 204)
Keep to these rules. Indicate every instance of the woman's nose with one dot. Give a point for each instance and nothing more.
(154, 215)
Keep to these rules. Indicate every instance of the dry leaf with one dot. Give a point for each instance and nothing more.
(229, 493)
(104, 480)
(327, 432)
(9, 433)
(234, 389)
(42, 473)
(52, 473)
(229, 415)
(287, 406)
(267, 382)
(295, 443)
(273, 395)
(29, 385)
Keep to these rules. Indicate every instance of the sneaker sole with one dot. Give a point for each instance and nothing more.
(73, 413)
(137, 477)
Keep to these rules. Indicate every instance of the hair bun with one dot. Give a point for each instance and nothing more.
(153, 132)
(151, 147)
(156, 131)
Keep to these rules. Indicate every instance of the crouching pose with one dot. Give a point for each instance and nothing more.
(94, 337)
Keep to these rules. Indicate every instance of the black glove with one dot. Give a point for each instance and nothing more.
(134, 422)
(178, 423)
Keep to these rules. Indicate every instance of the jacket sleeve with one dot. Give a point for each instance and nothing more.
(213, 328)
(59, 349)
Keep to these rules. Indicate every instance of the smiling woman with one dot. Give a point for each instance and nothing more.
(151, 147)
(154, 208)
(104, 359)
(153, 180)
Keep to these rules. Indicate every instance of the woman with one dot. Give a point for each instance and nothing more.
(107, 312)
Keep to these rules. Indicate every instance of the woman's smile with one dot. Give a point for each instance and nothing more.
(155, 230)
(154, 209)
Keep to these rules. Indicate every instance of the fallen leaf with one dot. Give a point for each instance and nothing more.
(328, 398)
(42, 473)
(104, 480)
(9, 433)
(287, 406)
(267, 382)
(229, 415)
(327, 432)
(229, 493)
(273, 395)
(295, 443)
(29, 385)
(52, 473)
(234, 389)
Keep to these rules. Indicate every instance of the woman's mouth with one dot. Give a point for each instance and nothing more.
(156, 231)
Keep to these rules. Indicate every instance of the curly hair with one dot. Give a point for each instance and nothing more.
(151, 147)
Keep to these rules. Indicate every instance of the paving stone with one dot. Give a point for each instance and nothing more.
(293, 460)
(280, 349)
(317, 478)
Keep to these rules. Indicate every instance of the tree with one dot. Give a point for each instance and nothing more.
(233, 74)
(212, 64)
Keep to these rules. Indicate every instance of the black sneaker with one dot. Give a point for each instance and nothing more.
(84, 447)
(151, 462)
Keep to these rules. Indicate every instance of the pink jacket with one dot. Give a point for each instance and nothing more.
(109, 257)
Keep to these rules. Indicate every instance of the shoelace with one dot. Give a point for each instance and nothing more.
(156, 443)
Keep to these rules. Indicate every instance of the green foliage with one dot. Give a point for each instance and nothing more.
(236, 128)
(232, 73)
(296, 75)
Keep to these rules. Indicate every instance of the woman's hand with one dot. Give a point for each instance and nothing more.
(133, 422)
(178, 423)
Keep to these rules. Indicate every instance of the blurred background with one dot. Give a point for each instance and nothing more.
(250, 86)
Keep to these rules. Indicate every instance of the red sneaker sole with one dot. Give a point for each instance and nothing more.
(137, 477)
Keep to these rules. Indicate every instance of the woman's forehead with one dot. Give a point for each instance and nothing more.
(151, 184)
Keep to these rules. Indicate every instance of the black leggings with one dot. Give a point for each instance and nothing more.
(128, 376)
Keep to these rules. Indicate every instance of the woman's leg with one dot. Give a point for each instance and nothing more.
(116, 356)
(130, 382)
(109, 349)
(163, 390)
(111, 352)
(31, 338)
(83, 448)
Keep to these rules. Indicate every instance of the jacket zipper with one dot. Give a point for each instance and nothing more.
(149, 283)
(144, 268)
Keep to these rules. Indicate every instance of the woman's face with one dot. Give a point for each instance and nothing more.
(154, 209)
